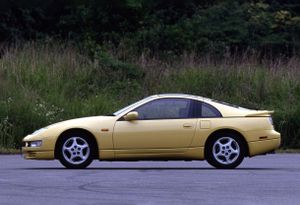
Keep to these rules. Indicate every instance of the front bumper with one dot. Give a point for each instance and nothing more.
(44, 151)
(37, 153)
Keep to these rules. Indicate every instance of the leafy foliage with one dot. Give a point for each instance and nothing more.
(119, 51)
(159, 25)
(41, 84)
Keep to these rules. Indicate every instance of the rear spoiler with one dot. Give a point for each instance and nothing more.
(260, 113)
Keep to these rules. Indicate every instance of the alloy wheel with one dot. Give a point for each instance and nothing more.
(226, 150)
(76, 150)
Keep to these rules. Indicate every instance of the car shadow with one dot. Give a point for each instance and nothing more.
(157, 168)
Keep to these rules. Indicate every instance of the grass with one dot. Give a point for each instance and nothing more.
(9, 151)
(45, 83)
(288, 151)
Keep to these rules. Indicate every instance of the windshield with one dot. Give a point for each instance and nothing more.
(127, 108)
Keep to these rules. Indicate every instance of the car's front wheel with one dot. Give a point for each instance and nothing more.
(75, 151)
(225, 151)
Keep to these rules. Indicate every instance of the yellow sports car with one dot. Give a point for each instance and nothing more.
(159, 127)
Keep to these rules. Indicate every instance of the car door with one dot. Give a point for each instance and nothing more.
(163, 125)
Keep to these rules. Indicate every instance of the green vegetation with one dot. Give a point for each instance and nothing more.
(291, 151)
(45, 83)
(9, 151)
(73, 58)
(159, 26)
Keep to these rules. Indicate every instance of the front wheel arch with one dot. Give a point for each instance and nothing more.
(77, 130)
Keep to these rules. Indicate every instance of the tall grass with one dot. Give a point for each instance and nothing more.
(44, 83)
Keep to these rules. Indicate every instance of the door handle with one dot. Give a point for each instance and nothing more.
(187, 125)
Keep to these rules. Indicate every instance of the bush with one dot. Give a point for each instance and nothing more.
(41, 84)
(161, 26)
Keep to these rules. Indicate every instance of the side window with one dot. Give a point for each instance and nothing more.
(204, 110)
(209, 111)
(168, 108)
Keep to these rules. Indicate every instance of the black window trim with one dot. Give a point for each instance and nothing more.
(219, 115)
(190, 109)
(192, 112)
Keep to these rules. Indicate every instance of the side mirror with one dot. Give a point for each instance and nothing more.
(131, 116)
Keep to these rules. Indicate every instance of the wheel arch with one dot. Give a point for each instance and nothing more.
(76, 130)
(227, 130)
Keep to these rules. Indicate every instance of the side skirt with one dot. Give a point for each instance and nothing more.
(194, 153)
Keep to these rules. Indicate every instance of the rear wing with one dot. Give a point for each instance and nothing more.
(260, 113)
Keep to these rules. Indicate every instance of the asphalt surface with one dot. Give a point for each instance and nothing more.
(271, 179)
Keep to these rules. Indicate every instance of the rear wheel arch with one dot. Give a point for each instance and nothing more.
(80, 131)
(224, 131)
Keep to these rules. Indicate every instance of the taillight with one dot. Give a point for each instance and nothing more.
(271, 121)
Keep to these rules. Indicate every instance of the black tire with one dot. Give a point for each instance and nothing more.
(222, 154)
(76, 150)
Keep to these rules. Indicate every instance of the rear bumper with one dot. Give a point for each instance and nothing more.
(271, 143)
(37, 153)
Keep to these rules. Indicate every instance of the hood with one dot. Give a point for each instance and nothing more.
(83, 121)
(92, 124)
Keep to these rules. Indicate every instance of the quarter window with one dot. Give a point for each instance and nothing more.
(209, 111)
(205, 110)
(168, 108)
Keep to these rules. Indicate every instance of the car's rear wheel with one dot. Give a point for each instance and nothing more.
(225, 151)
(75, 151)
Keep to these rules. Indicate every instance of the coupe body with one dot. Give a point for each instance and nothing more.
(159, 127)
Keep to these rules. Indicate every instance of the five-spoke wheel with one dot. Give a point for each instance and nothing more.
(225, 151)
(75, 151)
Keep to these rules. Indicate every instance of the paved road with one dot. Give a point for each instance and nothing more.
(271, 179)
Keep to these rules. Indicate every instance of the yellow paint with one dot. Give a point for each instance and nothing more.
(160, 139)
(204, 124)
